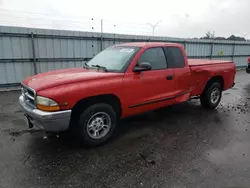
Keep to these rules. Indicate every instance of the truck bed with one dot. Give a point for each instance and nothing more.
(197, 62)
(202, 70)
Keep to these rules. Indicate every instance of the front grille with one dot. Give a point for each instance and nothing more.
(29, 96)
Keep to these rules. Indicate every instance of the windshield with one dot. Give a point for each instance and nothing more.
(113, 58)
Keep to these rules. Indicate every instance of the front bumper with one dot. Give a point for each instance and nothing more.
(49, 121)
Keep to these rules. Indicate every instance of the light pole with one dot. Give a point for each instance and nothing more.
(154, 26)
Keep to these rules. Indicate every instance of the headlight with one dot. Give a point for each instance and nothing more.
(46, 104)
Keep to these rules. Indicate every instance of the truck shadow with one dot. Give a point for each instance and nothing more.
(168, 119)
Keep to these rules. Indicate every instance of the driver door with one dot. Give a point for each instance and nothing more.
(147, 90)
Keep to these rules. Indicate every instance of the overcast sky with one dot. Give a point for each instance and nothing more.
(179, 18)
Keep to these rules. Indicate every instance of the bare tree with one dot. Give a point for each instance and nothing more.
(210, 35)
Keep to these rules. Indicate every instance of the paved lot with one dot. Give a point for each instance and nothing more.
(180, 146)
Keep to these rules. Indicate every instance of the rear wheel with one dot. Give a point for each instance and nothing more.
(211, 96)
(96, 124)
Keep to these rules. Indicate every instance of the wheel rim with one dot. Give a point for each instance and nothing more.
(99, 125)
(215, 95)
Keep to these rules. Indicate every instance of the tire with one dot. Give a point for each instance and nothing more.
(211, 96)
(89, 122)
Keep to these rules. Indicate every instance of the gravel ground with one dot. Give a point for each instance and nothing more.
(179, 146)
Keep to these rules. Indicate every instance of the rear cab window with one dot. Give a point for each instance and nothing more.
(175, 58)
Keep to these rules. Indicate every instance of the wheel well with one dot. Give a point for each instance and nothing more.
(110, 99)
(219, 79)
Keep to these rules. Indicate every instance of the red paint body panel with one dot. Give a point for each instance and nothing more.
(65, 76)
(203, 70)
(198, 62)
(137, 92)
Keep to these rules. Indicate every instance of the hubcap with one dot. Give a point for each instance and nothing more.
(99, 125)
(215, 95)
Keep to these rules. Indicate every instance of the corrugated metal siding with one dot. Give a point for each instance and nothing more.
(240, 61)
(225, 49)
(15, 72)
(14, 48)
(242, 50)
(57, 49)
(198, 49)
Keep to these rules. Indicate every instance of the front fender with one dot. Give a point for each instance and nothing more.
(68, 95)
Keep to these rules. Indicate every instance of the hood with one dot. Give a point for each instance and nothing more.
(65, 76)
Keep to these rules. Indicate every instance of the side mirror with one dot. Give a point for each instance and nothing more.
(144, 66)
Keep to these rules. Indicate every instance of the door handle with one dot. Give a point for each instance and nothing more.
(170, 77)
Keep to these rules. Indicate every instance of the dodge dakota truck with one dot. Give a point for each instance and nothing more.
(121, 81)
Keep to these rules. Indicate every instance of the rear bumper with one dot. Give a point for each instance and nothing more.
(248, 69)
(233, 84)
(49, 121)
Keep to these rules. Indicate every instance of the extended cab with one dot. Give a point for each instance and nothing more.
(121, 81)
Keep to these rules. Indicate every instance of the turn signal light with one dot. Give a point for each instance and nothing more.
(48, 108)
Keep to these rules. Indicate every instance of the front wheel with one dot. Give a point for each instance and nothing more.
(211, 96)
(96, 124)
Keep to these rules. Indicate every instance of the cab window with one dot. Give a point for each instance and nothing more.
(154, 56)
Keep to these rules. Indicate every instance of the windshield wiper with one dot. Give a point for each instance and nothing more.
(100, 67)
(85, 65)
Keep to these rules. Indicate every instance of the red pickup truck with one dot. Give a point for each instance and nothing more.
(121, 81)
